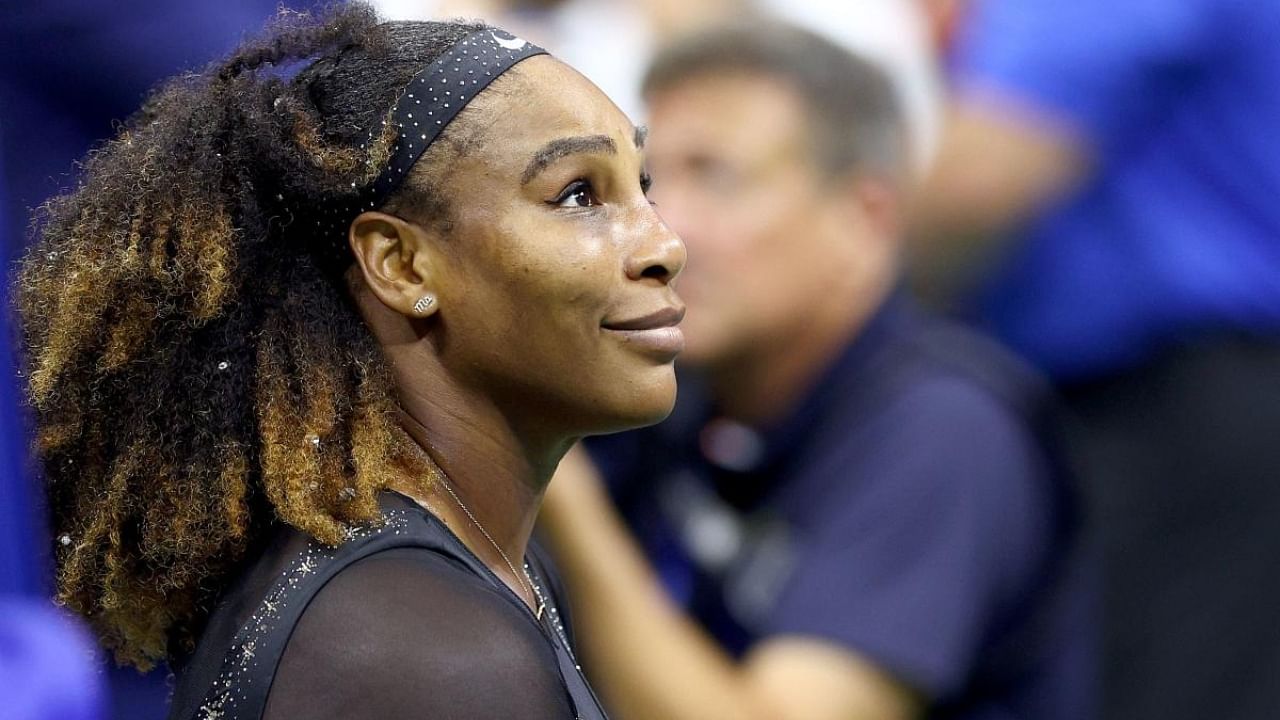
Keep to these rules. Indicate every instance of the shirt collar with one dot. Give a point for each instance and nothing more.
(737, 448)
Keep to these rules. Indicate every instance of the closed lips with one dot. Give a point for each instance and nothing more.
(666, 317)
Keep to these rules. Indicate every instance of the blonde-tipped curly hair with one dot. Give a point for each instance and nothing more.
(197, 368)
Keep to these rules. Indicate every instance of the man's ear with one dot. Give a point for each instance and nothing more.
(879, 202)
(398, 261)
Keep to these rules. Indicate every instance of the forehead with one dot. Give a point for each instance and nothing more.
(541, 100)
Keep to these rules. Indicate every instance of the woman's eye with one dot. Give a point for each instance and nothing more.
(578, 194)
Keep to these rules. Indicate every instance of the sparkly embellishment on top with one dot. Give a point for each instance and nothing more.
(553, 613)
(230, 686)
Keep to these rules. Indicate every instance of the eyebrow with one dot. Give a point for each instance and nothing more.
(564, 147)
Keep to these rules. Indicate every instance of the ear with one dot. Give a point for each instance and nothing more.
(877, 202)
(398, 261)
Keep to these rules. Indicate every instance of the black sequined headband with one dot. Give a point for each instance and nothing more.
(429, 103)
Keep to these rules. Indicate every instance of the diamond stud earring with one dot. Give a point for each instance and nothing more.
(424, 304)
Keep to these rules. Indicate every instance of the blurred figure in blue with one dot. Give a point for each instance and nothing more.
(855, 510)
(71, 68)
(68, 70)
(1107, 198)
(47, 662)
(48, 668)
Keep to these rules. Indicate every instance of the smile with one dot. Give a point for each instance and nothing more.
(656, 332)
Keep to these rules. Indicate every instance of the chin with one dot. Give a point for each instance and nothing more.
(659, 409)
(649, 404)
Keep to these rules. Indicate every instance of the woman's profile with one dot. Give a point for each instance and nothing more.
(305, 346)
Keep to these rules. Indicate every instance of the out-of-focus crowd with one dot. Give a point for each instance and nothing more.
(983, 355)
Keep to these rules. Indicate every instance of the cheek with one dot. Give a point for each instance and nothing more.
(534, 260)
(553, 299)
(571, 279)
(741, 271)
(729, 255)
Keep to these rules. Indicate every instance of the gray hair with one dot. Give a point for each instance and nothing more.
(853, 113)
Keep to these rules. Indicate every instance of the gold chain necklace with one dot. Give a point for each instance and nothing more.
(528, 587)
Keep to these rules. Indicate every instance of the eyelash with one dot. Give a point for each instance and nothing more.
(574, 188)
(579, 186)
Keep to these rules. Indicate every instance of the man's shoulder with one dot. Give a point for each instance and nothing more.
(946, 357)
(925, 374)
(943, 413)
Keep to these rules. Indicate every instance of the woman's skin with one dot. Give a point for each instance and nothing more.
(555, 313)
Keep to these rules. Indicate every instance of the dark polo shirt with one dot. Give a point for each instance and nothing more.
(911, 508)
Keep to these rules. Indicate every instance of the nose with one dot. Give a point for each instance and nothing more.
(660, 255)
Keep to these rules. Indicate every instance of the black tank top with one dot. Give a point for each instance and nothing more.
(415, 565)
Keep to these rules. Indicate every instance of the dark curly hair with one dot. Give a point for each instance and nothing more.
(196, 365)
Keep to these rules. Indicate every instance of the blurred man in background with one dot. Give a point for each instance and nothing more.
(1108, 198)
(852, 512)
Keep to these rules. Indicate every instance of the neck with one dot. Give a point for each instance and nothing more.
(497, 477)
(766, 383)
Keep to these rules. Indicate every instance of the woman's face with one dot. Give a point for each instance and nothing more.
(556, 286)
